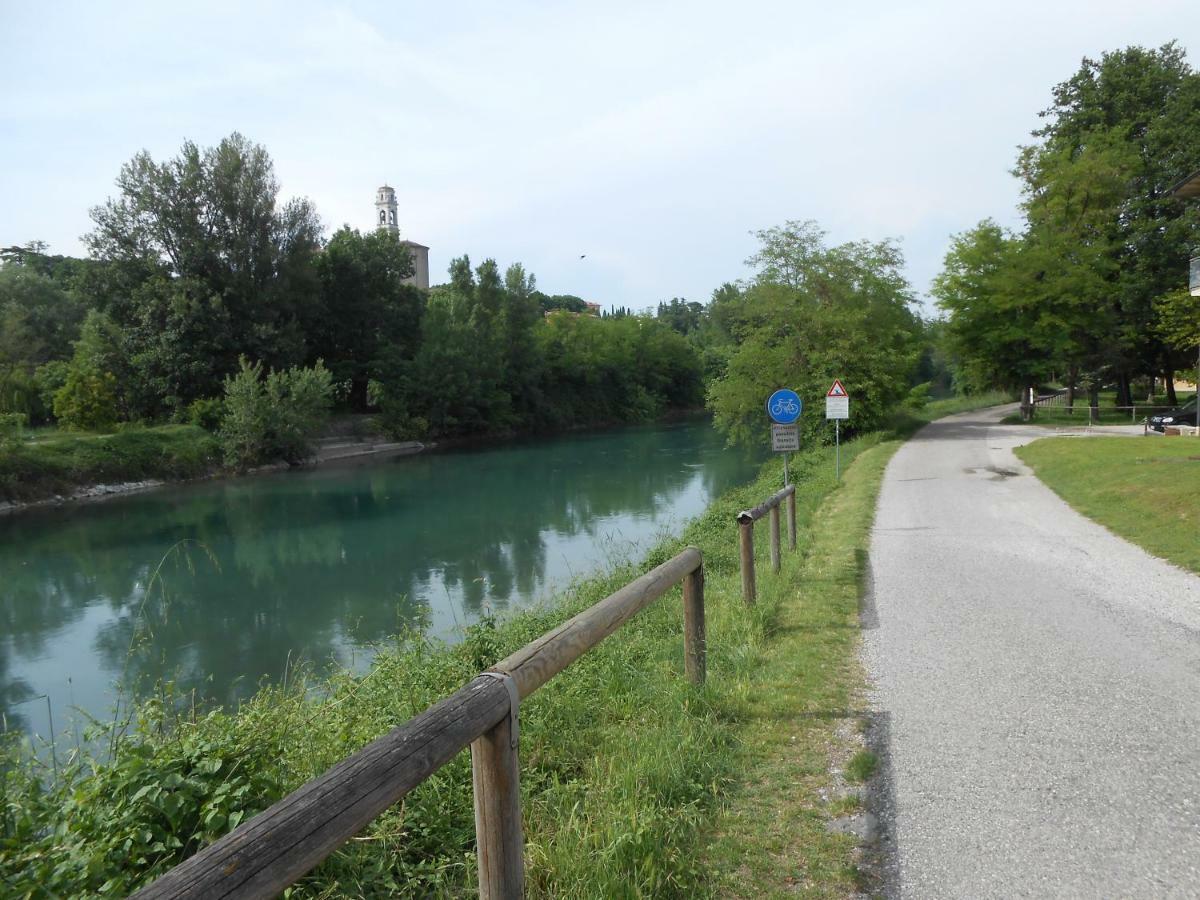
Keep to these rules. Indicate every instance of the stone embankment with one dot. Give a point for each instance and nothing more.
(336, 449)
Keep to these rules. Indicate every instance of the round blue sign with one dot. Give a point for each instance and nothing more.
(784, 406)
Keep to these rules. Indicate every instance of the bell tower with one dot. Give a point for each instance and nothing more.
(385, 210)
(385, 217)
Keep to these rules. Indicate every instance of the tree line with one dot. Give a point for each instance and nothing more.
(1092, 289)
(197, 272)
(204, 299)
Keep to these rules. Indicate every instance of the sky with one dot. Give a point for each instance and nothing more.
(623, 152)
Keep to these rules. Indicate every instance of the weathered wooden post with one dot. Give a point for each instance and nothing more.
(746, 535)
(775, 538)
(495, 774)
(791, 506)
(695, 643)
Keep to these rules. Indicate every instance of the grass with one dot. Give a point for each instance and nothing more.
(861, 766)
(61, 462)
(634, 783)
(1145, 490)
(772, 839)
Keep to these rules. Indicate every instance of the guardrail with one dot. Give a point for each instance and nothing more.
(1058, 400)
(273, 850)
(746, 519)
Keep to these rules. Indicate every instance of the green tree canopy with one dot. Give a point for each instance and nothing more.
(811, 314)
(1118, 134)
(369, 323)
(225, 268)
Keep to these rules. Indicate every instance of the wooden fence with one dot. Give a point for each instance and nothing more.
(746, 519)
(278, 846)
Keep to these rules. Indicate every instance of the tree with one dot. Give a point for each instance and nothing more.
(814, 313)
(522, 314)
(370, 319)
(1119, 133)
(38, 322)
(230, 256)
(569, 302)
(680, 315)
(1179, 326)
(1016, 308)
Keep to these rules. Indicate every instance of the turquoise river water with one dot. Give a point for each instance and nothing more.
(219, 585)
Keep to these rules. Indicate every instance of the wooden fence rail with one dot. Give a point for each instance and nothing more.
(278, 846)
(746, 519)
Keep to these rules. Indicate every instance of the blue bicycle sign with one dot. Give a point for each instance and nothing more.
(784, 406)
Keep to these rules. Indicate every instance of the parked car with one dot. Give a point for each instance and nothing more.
(1181, 415)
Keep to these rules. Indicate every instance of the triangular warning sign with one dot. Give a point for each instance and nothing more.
(837, 390)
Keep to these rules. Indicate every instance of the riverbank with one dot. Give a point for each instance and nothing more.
(625, 767)
(82, 468)
(67, 467)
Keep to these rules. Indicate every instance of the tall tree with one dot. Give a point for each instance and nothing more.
(234, 259)
(814, 313)
(370, 319)
(1130, 121)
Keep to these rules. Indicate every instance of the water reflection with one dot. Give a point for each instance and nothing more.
(218, 585)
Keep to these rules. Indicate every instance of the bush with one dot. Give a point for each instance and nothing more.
(273, 417)
(49, 380)
(206, 412)
(918, 397)
(397, 423)
(87, 401)
(19, 394)
(11, 426)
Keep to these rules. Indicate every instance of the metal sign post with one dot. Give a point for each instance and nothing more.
(837, 407)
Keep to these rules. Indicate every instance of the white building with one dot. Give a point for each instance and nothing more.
(385, 217)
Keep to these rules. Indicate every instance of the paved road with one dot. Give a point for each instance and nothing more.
(1036, 685)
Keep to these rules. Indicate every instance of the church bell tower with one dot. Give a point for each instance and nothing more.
(385, 210)
(385, 217)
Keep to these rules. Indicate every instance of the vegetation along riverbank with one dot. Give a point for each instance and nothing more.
(632, 779)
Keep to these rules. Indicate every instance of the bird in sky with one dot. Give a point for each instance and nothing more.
(583, 256)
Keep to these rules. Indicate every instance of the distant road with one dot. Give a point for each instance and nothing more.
(1036, 685)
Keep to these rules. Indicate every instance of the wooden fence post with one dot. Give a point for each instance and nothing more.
(791, 503)
(746, 529)
(695, 647)
(496, 777)
(775, 562)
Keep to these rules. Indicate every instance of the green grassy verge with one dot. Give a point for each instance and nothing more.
(63, 462)
(1145, 490)
(634, 783)
(800, 709)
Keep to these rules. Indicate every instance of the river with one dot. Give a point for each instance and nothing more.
(221, 584)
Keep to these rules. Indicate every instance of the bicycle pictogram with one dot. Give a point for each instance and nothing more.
(784, 406)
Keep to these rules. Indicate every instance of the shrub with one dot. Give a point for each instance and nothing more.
(397, 423)
(87, 401)
(48, 380)
(918, 397)
(273, 417)
(206, 412)
(11, 425)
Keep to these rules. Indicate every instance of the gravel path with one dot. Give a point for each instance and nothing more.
(1036, 685)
